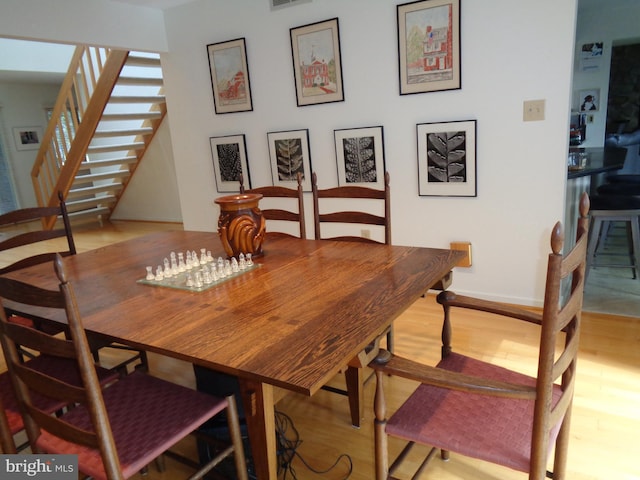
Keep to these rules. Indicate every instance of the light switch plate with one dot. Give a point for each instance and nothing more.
(533, 110)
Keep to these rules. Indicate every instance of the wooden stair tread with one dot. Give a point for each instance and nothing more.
(86, 191)
(116, 148)
(150, 81)
(137, 99)
(124, 133)
(131, 116)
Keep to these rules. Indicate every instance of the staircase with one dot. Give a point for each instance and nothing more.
(105, 118)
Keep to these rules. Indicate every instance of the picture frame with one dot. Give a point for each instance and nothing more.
(289, 153)
(447, 159)
(360, 156)
(229, 72)
(589, 100)
(317, 64)
(229, 155)
(28, 138)
(429, 46)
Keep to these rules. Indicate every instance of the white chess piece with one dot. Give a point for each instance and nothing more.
(150, 275)
(167, 269)
(159, 274)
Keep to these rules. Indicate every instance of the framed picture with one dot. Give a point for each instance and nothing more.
(589, 100)
(229, 161)
(230, 76)
(447, 159)
(360, 156)
(289, 153)
(429, 46)
(317, 67)
(27, 138)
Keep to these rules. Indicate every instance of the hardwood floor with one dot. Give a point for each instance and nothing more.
(613, 289)
(606, 416)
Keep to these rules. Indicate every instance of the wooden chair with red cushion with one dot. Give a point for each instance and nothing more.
(115, 431)
(23, 236)
(485, 411)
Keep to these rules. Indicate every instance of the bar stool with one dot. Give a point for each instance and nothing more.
(614, 208)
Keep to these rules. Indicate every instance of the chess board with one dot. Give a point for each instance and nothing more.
(197, 274)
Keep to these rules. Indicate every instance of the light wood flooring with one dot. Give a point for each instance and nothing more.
(605, 429)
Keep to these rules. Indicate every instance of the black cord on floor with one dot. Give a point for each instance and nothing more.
(288, 441)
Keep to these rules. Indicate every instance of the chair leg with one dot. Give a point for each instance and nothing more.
(592, 245)
(354, 378)
(390, 339)
(635, 245)
(381, 447)
(236, 438)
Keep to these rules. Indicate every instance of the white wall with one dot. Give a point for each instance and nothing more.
(23, 105)
(511, 51)
(152, 194)
(608, 24)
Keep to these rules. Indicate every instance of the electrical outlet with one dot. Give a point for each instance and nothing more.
(464, 247)
(533, 110)
(364, 233)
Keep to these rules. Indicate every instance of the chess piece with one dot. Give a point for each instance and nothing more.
(159, 274)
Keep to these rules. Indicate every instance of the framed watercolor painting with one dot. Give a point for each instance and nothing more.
(289, 153)
(429, 46)
(447, 159)
(360, 157)
(229, 161)
(230, 76)
(317, 67)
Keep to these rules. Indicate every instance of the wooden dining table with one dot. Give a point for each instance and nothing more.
(289, 324)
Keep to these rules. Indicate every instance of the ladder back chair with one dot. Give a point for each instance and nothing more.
(485, 411)
(23, 236)
(279, 214)
(118, 430)
(350, 216)
(354, 374)
(26, 233)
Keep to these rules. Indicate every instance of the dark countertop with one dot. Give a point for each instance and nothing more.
(599, 159)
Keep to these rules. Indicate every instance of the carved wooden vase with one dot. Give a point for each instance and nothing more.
(241, 225)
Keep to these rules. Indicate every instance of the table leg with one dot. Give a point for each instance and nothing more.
(258, 401)
(354, 376)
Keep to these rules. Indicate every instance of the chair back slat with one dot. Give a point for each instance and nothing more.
(279, 214)
(352, 216)
(33, 219)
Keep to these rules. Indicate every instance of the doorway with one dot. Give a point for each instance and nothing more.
(7, 191)
(623, 109)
